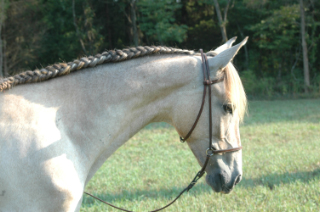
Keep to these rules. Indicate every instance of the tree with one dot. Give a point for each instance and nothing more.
(128, 9)
(23, 35)
(304, 49)
(77, 28)
(222, 21)
(134, 22)
(3, 8)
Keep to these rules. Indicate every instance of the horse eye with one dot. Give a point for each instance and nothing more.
(228, 108)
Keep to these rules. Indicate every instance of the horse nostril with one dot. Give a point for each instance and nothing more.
(238, 179)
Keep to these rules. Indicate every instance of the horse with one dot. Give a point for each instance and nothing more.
(58, 125)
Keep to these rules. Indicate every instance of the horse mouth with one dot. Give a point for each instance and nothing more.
(226, 190)
(222, 184)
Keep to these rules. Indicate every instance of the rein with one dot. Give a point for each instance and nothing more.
(211, 150)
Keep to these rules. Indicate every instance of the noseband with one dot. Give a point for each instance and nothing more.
(211, 150)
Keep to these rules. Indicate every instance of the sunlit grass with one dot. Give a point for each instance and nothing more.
(281, 166)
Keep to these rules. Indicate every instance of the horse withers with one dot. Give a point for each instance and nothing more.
(55, 132)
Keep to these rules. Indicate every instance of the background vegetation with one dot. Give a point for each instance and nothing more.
(36, 33)
(281, 166)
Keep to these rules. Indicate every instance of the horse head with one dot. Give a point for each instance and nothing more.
(228, 106)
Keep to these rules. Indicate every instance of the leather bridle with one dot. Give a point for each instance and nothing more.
(211, 150)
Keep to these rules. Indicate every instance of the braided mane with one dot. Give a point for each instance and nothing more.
(61, 69)
(234, 89)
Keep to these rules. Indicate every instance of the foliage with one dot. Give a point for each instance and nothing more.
(278, 31)
(158, 23)
(57, 17)
(263, 88)
(37, 33)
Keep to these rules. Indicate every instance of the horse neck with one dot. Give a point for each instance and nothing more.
(122, 98)
(145, 90)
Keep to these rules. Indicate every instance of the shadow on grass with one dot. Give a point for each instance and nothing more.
(272, 180)
(139, 195)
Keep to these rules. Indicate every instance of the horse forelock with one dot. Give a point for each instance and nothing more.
(235, 93)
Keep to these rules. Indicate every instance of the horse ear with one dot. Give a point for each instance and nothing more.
(221, 60)
(225, 46)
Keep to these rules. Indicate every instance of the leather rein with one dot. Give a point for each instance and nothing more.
(211, 150)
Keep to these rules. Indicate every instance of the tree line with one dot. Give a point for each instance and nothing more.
(279, 59)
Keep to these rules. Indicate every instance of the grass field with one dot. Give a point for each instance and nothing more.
(281, 166)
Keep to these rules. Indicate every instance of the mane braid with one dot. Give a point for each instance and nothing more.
(111, 56)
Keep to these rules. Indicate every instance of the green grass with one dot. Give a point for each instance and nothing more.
(281, 166)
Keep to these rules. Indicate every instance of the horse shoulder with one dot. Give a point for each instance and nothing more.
(33, 146)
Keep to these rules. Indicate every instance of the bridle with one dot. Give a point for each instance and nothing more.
(207, 83)
(211, 150)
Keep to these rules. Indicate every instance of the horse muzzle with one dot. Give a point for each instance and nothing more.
(221, 181)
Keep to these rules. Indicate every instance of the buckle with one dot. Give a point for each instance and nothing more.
(210, 152)
(207, 82)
